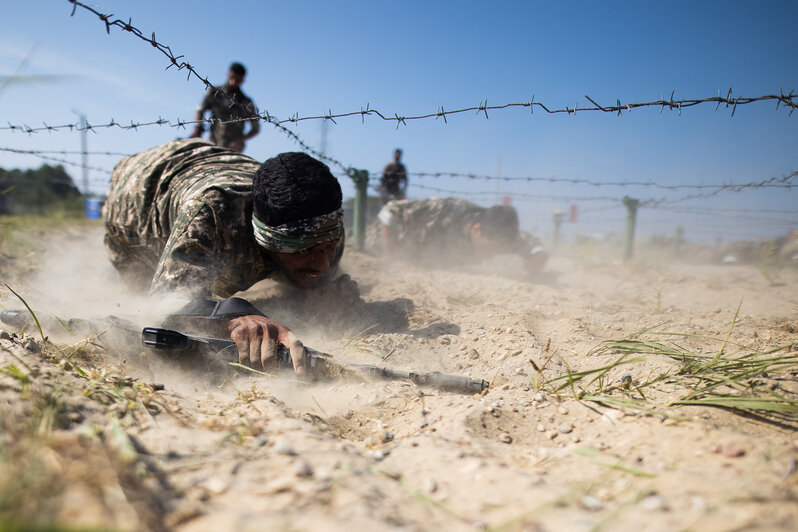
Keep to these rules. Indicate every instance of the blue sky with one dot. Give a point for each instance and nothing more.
(312, 57)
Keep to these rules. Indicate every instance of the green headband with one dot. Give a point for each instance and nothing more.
(295, 237)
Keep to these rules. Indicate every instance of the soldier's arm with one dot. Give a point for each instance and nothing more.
(193, 259)
(198, 116)
(254, 124)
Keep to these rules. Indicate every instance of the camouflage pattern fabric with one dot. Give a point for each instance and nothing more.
(226, 104)
(436, 231)
(179, 216)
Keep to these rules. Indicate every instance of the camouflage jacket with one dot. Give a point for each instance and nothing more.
(436, 231)
(226, 104)
(394, 176)
(178, 216)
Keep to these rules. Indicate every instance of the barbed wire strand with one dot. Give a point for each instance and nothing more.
(773, 182)
(179, 64)
(64, 152)
(56, 159)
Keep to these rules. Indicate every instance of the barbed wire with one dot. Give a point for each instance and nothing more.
(513, 194)
(179, 64)
(773, 182)
(55, 159)
(728, 101)
(619, 108)
(787, 99)
(64, 152)
(700, 210)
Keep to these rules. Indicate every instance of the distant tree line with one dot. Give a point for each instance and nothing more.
(39, 191)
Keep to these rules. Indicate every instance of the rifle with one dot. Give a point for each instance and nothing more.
(212, 352)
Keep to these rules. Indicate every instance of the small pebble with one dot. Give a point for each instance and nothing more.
(4, 335)
(653, 503)
(626, 380)
(284, 448)
(429, 485)
(733, 451)
(541, 428)
(551, 434)
(539, 397)
(698, 504)
(387, 436)
(565, 427)
(31, 345)
(611, 416)
(562, 410)
(380, 454)
(591, 503)
(302, 469)
(474, 354)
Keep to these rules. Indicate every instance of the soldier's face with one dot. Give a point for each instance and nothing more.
(305, 268)
(234, 80)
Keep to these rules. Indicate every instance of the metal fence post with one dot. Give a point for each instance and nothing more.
(558, 218)
(631, 218)
(361, 179)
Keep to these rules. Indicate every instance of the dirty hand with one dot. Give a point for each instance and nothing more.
(257, 338)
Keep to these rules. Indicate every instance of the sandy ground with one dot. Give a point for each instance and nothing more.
(87, 440)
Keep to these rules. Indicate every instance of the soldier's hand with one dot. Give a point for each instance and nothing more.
(257, 338)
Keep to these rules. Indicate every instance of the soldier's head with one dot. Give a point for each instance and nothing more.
(397, 154)
(235, 76)
(297, 215)
(494, 231)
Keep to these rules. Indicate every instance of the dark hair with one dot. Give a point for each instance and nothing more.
(499, 222)
(238, 68)
(294, 186)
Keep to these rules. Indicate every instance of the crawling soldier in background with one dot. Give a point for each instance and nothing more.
(207, 221)
(447, 232)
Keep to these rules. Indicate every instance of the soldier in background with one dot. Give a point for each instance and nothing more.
(393, 184)
(202, 220)
(228, 103)
(451, 232)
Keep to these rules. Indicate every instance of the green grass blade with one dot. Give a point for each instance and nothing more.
(38, 325)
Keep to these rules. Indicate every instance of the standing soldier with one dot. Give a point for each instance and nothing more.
(393, 185)
(230, 109)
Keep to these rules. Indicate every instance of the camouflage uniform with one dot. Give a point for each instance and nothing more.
(179, 216)
(394, 176)
(437, 231)
(226, 103)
